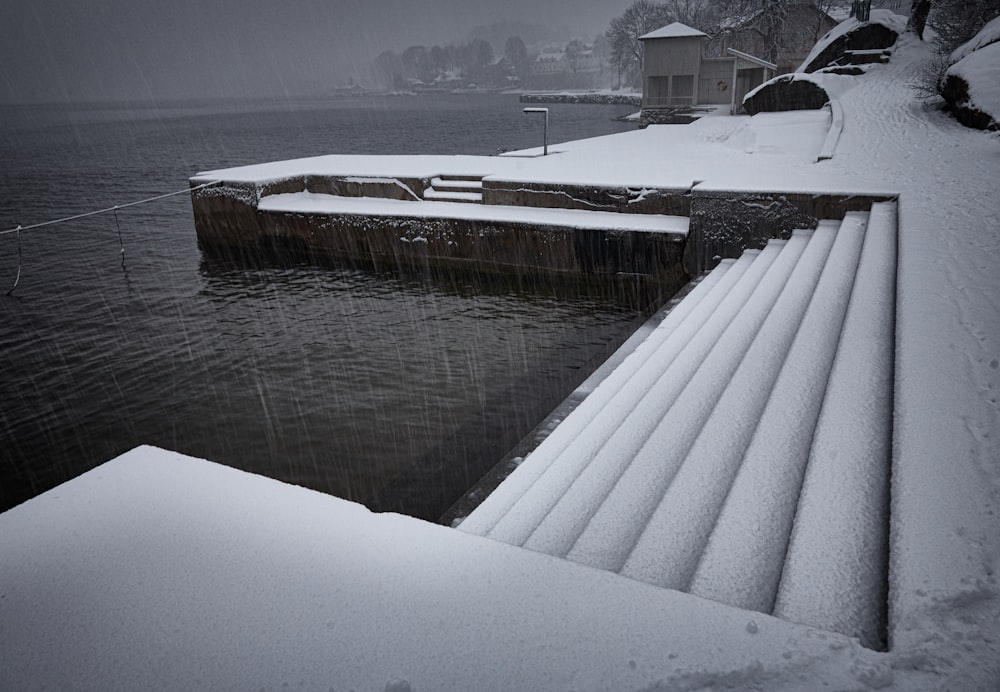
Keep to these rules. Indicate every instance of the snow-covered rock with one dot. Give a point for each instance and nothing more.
(789, 92)
(879, 32)
(971, 84)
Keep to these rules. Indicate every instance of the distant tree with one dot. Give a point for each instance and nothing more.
(773, 24)
(918, 17)
(438, 59)
(765, 18)
(388, 70)
(517, 53)
(956, 21)
(602, 51)
(641, 17)
(575, 50)
(417, 64)
(484, 53)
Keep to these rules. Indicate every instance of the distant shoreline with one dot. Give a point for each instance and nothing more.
(610, 98)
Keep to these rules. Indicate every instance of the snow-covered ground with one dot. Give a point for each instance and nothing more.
(160, 571)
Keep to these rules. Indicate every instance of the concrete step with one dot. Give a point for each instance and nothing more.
(837, 559)
(585, 416)
(867, 57)
(743, 559)
(551, 521)
(566, 458)
(455, 188)
(671, 543)
(744, 454)
(606, 542)
(432, 194)
(456, 184)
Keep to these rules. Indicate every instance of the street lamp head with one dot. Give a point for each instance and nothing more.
(545, 135)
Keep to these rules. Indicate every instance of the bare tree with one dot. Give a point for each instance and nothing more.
(918, 17)
(956, 21)
(644, 16)
(641, 17)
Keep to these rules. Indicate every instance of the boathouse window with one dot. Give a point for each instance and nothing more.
(682, 89)
(658, 91)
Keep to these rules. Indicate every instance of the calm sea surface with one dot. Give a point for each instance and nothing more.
(393, 391)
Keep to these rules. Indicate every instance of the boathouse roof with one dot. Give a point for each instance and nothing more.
(675, 30)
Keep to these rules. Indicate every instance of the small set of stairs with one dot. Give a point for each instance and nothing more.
(455, 188)
(742, 451)
(871, 56)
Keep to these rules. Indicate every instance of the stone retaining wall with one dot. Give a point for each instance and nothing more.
(230, 226)
(725, 223)
(631, 200)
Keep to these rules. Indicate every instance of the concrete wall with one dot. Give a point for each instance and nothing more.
(668, 56)
(229, 225)
(716, 81)
(671, 56)
(724, 223)
(631, 200)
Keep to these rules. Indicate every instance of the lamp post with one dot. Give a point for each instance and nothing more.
(545, 132)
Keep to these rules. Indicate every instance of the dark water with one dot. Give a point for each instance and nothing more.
(394, 391)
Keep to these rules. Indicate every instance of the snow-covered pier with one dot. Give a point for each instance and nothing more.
(446, 214)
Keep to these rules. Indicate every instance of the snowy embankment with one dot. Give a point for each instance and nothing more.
(972, 80)
(159, 571)
(606, 96)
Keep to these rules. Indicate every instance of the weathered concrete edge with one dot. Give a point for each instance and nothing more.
(229, 222)
(724, 223)
(506, 466)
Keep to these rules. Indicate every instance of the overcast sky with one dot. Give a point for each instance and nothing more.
(85, 50)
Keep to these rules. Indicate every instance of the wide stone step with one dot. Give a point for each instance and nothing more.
(834, 574)
(745, 553)
(595, 408)
(566, 515)
(742, 453)
(434, 195)
(671, 543)
(457, 184)
(455, 188)
(607, 541)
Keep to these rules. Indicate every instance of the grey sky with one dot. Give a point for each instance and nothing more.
(80, 50)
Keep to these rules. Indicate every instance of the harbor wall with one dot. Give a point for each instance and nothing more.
(723, 223)
(229, 223)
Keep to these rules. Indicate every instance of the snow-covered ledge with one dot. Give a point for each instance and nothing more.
(161, 571)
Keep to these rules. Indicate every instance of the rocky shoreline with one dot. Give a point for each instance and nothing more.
(627, 99)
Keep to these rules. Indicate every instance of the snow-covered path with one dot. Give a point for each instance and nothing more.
(946, 551)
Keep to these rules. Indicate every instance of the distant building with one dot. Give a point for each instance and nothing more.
(551, 62)
(676, 73)
(576, 65)
(803, 25)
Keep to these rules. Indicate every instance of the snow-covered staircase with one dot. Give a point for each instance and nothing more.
(742, 451)
(455, 188)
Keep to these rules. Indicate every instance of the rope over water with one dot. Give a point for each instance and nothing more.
(120, 243)
(113, 210)
(18, 277)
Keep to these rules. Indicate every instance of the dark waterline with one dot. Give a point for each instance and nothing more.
(395, 391)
